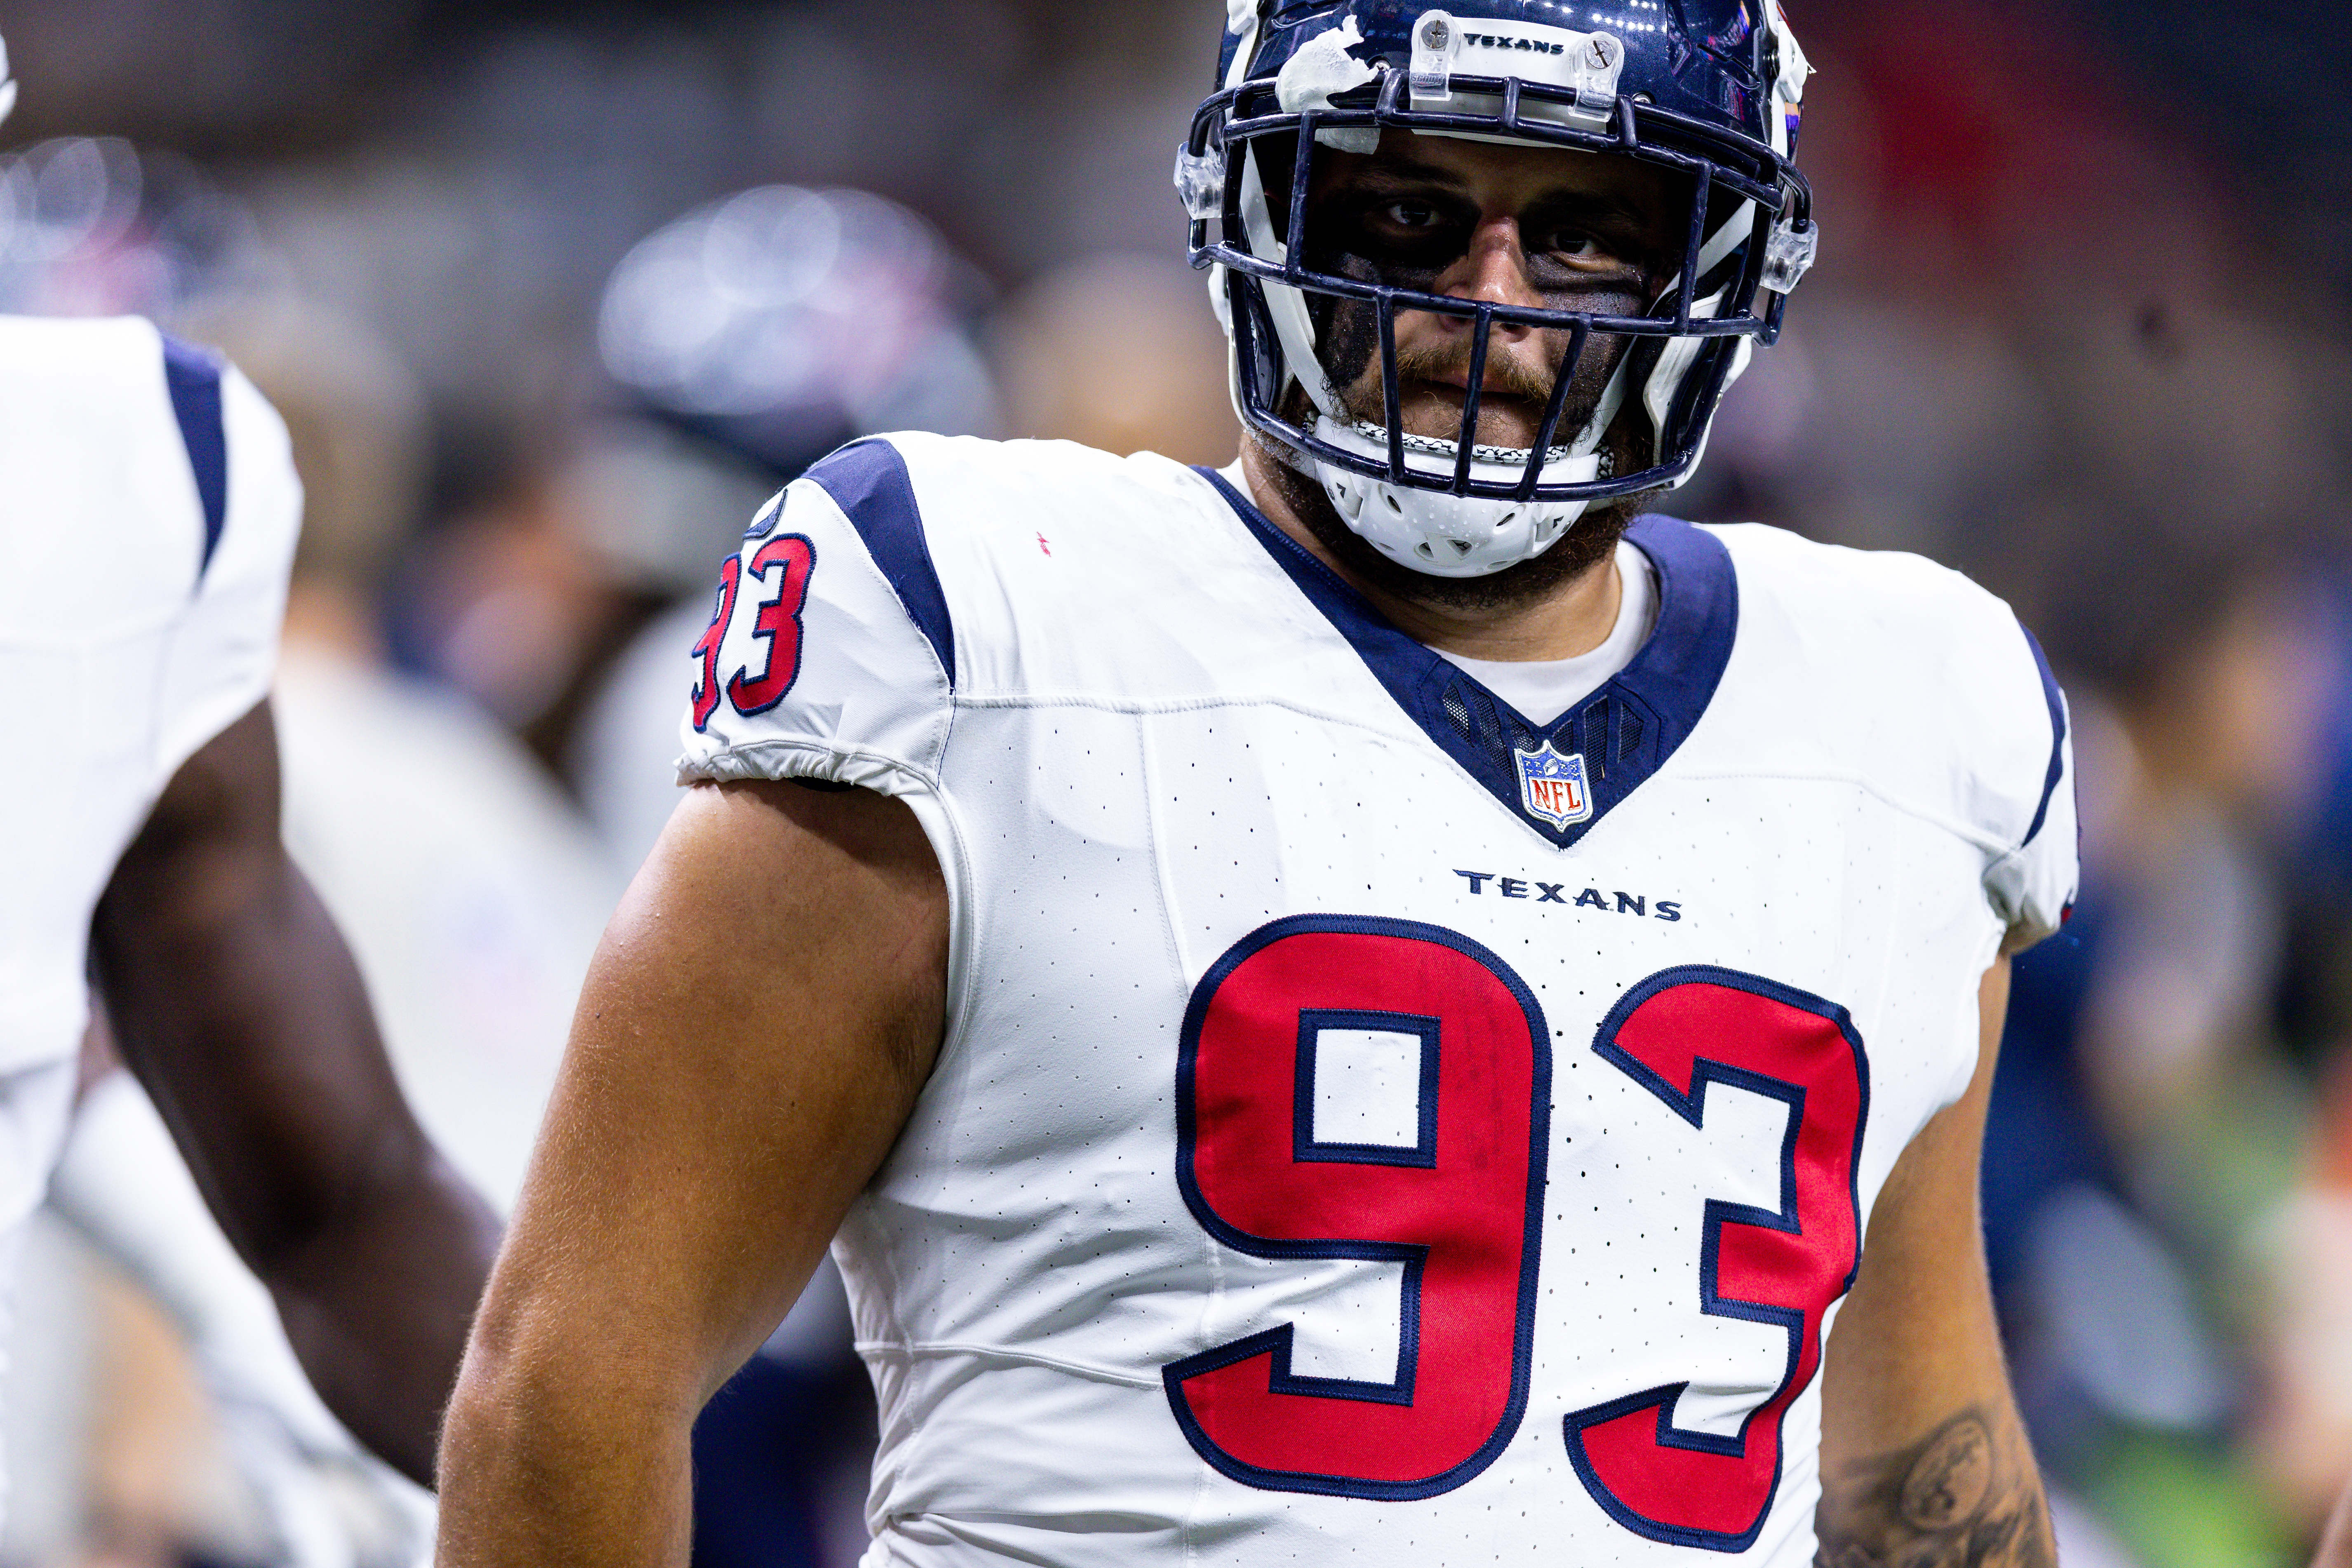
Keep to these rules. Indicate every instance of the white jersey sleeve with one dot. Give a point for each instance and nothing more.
(224, 650)
(2032, 887)
(830, 655)
(1948, 705)
(148, 514)
(2007, 745)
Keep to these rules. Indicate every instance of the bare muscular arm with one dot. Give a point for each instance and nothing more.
(1924, 1460)
(767, 1004)
(234, 1000)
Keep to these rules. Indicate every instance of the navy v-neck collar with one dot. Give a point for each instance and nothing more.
(1623, 732)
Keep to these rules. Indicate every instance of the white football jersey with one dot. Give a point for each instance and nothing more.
(1370, 1129)
(148, 514)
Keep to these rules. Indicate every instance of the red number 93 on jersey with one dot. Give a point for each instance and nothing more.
(1453, 1191)
(789, 562)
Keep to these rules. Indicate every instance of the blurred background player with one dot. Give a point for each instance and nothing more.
(745, 340)
(153, 513)
(468, 889)
(471, 889)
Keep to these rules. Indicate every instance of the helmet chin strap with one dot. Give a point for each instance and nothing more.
(1294, 329)
(1439, 533)
(1665, 383)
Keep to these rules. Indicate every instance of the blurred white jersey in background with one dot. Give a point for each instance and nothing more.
(148, 515)
(471, 896)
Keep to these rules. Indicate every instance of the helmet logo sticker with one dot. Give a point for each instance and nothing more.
(1587, 64)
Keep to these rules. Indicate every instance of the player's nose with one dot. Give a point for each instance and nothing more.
(1492, 270)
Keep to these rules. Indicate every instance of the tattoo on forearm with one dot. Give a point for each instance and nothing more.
(1967, 1497)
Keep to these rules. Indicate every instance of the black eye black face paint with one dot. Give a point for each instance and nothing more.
(1397, 221)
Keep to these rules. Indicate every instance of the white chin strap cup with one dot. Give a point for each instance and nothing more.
(1449, 535)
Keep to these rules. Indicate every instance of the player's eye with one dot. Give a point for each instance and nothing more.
(1573, 244)
(1576, 256)
(1414, 232)
(1410, 221)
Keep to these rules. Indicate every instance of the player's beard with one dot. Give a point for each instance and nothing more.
(1591, 540)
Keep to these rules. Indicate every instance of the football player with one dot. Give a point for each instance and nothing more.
(148, 513)
(1383, 1006)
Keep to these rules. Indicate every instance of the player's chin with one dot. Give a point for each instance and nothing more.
(1592, 539)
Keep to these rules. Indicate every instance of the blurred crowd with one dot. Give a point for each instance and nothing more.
(553, 296)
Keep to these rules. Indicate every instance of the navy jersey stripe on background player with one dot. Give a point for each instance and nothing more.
(193, 375)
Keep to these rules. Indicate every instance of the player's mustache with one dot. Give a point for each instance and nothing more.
(1507, 375)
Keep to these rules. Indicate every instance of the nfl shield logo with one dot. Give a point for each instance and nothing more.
(1552, 787)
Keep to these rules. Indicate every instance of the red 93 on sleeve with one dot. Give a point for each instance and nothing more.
(778, 575)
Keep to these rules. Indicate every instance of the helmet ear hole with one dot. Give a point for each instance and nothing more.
(1393, 504)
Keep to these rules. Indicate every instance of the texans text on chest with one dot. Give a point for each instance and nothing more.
(1639, 905)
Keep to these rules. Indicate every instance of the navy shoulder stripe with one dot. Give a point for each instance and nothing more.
(194, 377)
(871, 484)
(2057, 737)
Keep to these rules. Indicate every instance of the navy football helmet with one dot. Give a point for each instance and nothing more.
(1711, 90)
